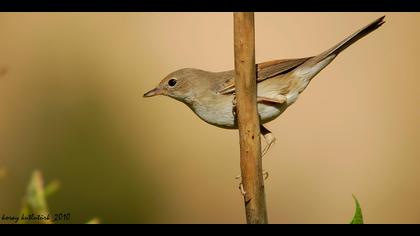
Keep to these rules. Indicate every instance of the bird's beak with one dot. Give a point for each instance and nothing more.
(153, 92)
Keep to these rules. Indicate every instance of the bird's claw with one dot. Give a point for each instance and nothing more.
(241, 186)
(265, 175)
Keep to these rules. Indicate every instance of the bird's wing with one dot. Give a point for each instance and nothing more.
(265, 71)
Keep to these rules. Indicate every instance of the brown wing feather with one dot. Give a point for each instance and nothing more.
(265, 71)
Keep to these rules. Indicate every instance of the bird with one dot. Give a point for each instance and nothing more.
(211, 95)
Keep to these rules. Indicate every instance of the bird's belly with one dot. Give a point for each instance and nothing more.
(218, 113)
(268, 113)
(221, 114)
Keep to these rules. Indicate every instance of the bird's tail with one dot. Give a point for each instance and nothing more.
(353, 38)
(317, 63)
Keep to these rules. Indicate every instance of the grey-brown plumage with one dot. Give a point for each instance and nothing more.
(211, 94)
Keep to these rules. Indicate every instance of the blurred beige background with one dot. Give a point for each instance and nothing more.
(71, 106)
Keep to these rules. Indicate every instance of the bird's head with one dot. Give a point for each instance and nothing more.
(182, 85)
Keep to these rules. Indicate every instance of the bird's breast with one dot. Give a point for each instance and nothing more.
(217, 111)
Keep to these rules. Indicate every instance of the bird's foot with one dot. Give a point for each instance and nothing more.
(241, 186)
(269, 139)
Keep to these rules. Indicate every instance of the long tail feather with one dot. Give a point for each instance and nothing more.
(351, 39)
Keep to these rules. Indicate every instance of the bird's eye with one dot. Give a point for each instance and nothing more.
(172, 82)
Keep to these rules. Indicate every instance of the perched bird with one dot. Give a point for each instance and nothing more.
(211, 95)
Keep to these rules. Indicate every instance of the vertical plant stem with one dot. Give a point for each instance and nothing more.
(248, 120)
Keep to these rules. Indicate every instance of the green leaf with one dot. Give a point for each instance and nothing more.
(35, 199)
(35, 194)
(51, 188)
(358, 217)
(34, 202)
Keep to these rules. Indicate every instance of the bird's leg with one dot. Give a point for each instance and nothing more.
(268, 137)
(240, 186)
